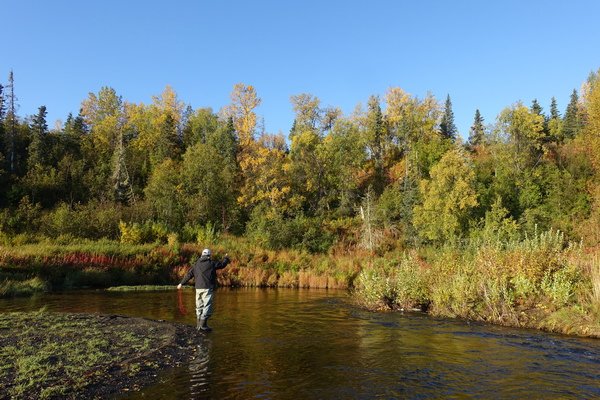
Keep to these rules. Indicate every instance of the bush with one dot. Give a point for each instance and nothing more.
(90, 221)
(560, 286)
(273, 231)
(130, 233)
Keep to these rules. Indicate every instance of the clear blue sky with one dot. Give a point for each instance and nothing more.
(486, 55)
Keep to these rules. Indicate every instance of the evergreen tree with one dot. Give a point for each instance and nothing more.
(79, 125)
(2, 104)
(11, 122)
(572, 123)
(375, 142)
(537, 108)
(123, 191)
(39, 129)
(555, 123)
(477, 131)
(38, 122)
(2, 114)
(293, 128)
(554, 113)
(447, 127)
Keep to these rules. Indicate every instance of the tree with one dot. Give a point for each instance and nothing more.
(11, 122)
(266, 180)
(555, 123)
(343, 156)
(37, 146)
(477, 131)
(306, 168)
(2, 131)
(122, 187)
(165, 193)
(536, 108)
(572, 122)
(524, 131)
(105, 114)
(308, 113)
(244, 101)
(448, 198)
(209, 186)
(375, 133)
(199, 125)
(447, 127)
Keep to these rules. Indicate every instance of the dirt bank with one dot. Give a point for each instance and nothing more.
(56, 355)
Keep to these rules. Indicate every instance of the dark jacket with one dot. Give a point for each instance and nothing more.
(204, 272)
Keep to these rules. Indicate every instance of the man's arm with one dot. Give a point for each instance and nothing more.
(223, 264)
(186, 278)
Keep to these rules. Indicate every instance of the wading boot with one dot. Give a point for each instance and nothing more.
(203, 326)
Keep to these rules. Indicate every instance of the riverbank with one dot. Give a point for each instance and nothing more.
(53, 355)
(540, 282)
(536, 283)
(32, 268)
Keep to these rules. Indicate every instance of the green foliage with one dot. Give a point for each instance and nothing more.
(147, 232)
(498, 228)
(447, 127)
(274, 231)
(477, 131)
(92, 221)
(448, 198)
(207, 234)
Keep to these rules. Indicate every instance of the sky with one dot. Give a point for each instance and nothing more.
(486, 55)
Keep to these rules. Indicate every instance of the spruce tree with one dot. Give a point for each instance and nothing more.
(38, 122)
(11, 122)
(572, 120)
(554, 113)
(122, 187)
(447, 127)
(39, 129)
(2, 114)
(554, 123)
(537, 109)
(477, 131)
(375, 141)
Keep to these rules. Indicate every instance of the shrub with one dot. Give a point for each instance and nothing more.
(273, 231)
(130, 233)
(560, 286)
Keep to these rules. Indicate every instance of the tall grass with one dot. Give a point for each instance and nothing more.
(108, 263)
(530, 283)
(595, 279)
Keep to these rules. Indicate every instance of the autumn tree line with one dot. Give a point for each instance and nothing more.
(393, 174)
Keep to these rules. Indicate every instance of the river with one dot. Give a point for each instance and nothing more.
(315, 344)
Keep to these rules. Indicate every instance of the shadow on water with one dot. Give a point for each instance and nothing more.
(314, 344)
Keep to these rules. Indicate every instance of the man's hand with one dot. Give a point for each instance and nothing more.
(179, 286)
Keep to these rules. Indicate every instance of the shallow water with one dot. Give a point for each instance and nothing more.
(313, 344)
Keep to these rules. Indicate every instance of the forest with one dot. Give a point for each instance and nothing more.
(394, 174)
(389, 201)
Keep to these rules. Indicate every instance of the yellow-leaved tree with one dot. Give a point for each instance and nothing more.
(448, 197)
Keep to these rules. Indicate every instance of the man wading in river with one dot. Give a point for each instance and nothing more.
(204, 273)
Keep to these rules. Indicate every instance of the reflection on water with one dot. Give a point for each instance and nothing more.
(311, 344)
(199, 369)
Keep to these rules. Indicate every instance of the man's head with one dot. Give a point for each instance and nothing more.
(206, 252)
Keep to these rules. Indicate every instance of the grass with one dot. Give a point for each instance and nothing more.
(537, 283)
(142, 288)
(51, 355)
(105, 264)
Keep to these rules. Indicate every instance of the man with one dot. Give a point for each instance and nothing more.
(204, 273)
